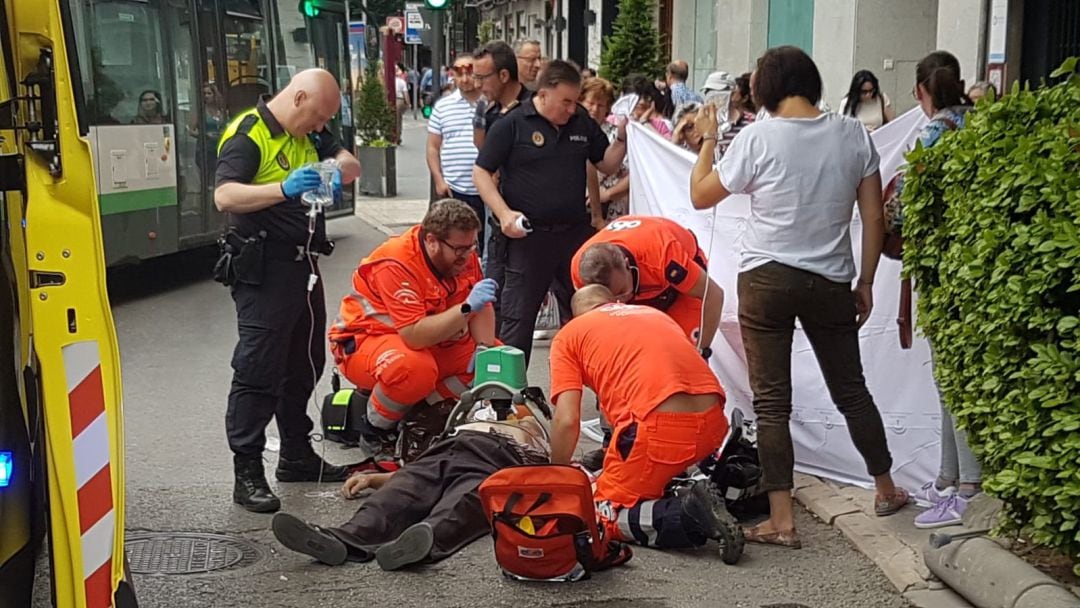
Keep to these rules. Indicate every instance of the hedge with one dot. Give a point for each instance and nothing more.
(991, 218)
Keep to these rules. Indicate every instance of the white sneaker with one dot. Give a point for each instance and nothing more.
(929, 496)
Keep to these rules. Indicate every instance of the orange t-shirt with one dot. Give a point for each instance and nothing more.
(633, 357)
(395, 287)
(666, 255)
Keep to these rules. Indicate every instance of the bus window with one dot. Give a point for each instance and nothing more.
(247, 58)
(127, 59)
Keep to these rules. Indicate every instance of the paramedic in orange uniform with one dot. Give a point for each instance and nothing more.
(665, 404)
(419, 310)
(654, 262)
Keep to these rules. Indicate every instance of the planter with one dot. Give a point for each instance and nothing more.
(378, 175)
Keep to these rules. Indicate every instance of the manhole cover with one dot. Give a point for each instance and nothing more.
(188, 553)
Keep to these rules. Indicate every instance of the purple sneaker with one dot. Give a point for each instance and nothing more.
(949, 512)
(929, 496)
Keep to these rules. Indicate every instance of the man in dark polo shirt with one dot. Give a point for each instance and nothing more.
(495, 70)
(541, 150)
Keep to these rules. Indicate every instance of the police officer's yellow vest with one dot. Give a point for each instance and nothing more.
(279, 155)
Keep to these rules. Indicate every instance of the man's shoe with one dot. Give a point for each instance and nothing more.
(251, 490)
(309, 468)
(309, 539)
(705, 507)
(414, 545)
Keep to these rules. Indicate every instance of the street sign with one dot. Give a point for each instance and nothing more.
(414, 24)
(396, 24)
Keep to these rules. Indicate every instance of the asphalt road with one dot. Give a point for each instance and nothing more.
(177, 329)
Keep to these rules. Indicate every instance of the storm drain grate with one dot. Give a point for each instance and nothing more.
(188, 553)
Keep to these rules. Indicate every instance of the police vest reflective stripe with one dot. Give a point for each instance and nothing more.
(279, 155)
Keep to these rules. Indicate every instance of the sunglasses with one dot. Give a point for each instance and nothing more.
(463, 69)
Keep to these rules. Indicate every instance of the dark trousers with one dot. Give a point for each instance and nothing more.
(532, 264)
(477, 204)
(272, 364)
(439, 487)
(496, 266)
(771, 298)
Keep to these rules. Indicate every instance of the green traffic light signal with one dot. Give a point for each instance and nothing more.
(309, 9)
(437, 4)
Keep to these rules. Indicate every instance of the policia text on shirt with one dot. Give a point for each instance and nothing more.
(541, 150)
(270, 260)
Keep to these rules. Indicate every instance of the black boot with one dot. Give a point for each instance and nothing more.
(378, 444)
(251, 490)
(704, 509)
(309, 467)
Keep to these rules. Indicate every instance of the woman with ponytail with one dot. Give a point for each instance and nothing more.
(940, 93)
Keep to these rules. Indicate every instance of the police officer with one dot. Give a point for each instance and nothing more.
(541, 150)
(495, 71)
(272, 267)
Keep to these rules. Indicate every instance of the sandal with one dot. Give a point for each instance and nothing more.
(782, 538)
(883, 507)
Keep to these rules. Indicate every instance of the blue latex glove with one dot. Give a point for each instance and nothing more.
(472, 361)
(300, 181)
(482, 293)
(336, 182)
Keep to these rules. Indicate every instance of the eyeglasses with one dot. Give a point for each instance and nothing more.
(482, 77)
(867, 91)
(463, 250)
(463, 69)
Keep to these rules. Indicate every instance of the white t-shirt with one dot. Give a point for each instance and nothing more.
(802, 175)
(401, 89)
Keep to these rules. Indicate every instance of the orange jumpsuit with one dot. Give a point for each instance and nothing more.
(634, 358)
(668, 263)
(395, 287)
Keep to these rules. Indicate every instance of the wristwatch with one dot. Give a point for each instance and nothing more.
(466, 309)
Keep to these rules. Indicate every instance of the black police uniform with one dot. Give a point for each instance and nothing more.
(542, 174)
(487, 114)
(281, 352)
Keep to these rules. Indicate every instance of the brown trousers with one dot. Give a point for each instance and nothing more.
(771, 298)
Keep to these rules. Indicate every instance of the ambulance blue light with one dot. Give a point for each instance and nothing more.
(5, 469)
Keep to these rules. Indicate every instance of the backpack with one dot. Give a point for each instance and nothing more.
(544, 525)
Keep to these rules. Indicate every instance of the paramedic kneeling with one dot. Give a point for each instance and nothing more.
(418, 312)
(667, 409)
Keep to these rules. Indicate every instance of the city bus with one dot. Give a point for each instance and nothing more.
(161, 79)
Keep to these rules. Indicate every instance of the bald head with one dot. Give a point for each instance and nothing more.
(590, 297)
(307, 103)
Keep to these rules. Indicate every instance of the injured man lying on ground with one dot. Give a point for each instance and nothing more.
(429, 509)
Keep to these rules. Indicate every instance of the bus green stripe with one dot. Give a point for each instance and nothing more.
(137, 200)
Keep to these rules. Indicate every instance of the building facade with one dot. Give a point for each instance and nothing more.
(566, 29)
(1000, 40)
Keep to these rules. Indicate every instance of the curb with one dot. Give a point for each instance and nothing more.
(981, 572)
(992, 577)
(901, 563)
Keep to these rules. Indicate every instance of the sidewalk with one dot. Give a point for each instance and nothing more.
(893, 543)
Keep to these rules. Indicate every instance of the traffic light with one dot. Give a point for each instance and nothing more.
(437, 5)
(308, 8)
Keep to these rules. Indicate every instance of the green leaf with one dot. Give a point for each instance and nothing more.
(1067, 68)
